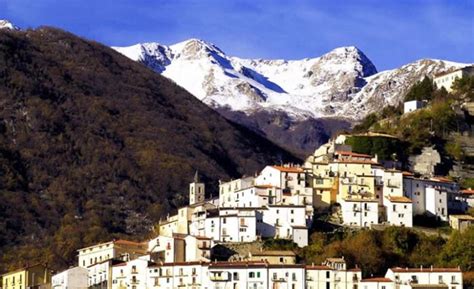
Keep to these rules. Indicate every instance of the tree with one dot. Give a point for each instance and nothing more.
(459, 250)
(422, 90)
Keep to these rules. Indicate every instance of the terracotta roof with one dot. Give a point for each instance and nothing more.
(347, 153)
(467, 191)
(441, 180)
(194, 263)
(405, 173)
(376, 279)
(426, 269)
(289, 169)
(354, 270)
(398, 199)
(356, 162)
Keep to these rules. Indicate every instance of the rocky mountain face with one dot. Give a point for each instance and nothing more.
(303, 100)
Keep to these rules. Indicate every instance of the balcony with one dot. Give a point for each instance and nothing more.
(309, 278)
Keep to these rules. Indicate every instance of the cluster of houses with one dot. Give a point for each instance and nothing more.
(280, 202)
(275, 270)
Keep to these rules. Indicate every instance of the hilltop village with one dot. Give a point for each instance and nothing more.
(191, 248)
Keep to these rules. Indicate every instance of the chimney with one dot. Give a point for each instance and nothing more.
(431, 267)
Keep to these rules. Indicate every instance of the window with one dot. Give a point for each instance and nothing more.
(251, 274)
(258, 274)
(275, 277)
(281, 259)
(327, 274)
(440, 279)
(236, 276)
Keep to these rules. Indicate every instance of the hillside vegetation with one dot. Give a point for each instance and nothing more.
(438, 124)
(95, 146)
(375, 251)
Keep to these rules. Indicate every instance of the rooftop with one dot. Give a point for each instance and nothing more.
(376, 279)
(347, 153)
(289, 169)
(422, 269)
(398, 199)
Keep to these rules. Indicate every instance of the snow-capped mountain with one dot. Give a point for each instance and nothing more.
(5, 24)
(304, 88)
(276, 97)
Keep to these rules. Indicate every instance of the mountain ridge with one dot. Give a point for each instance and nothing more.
(342, 86)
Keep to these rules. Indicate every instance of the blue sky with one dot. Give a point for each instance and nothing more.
(390, 33)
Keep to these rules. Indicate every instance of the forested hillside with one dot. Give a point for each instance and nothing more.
(95, 146)
(445, 123)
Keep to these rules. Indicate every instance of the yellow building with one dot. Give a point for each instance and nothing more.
(338, 175)
(461, 222)
(30, 277)
(273, 257)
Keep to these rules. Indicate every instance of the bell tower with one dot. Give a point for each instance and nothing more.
(197, 190)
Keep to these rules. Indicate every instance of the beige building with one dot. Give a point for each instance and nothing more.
(273, 257)
(461, 222)
(30, 277)
(116, 249)
(447, 79)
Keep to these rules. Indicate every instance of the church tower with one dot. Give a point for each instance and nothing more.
(197, 190)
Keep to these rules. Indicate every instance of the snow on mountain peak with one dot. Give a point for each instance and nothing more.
(342, 83)
(5, 24)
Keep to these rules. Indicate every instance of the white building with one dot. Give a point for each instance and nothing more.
(132, 274)
(284, 222)
(116, 249)
(399, 211)
(291, 180)
(99, 275)
(74, 278)
(412, 105)
(193, 275)
(332, 274)
(286, 276)
(392, 183)
(360, 212)
(437, 202)
(447, 79)
(167, 249)
(408, 278)
(231, 224)
(430, 196)
(231, 275)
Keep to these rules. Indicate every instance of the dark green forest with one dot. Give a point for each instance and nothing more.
(95, 146)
